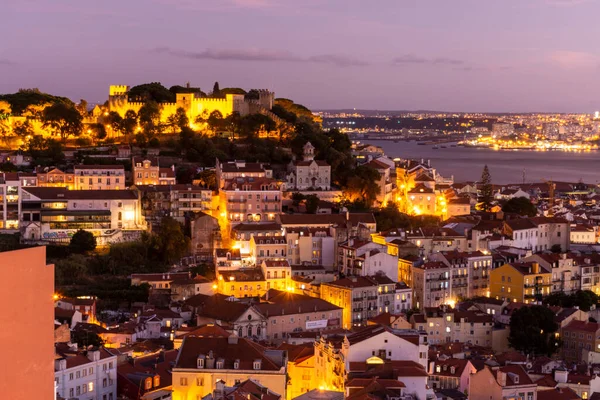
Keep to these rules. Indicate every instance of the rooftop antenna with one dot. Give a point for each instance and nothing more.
(523, 176)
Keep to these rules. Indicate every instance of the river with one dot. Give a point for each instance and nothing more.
(506, 166)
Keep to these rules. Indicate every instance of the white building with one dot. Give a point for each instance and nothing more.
(54, 214)
(92, 376)
(309, 173)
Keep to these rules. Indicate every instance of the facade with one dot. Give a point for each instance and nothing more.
(301, 368)
(205, 361)
(578, 337)
(54, 177)
(10, 201)
(242, 233)
(431, 285)
(26, 277)
(538, 233)
(148, 171)
(277, 273)
(315, 246)
(566, 274)
(525, 282)
(470, 271)
(99, 177)
(90, 376)
(448, 325)
(500, 383)
(250, 199)
(173, 200)
(55, 214)
(452, 373)
(240, 169)
(309, 174)
(361, 297)
(267, 248)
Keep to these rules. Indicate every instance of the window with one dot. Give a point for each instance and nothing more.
(148, 383)
(71, 374)
(91, 387)
(183, 382)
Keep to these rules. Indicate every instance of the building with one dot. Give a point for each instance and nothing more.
(566, 273)
(11, 185)
(26, 277)
(54, 177)
(470, 271)
(147, 377)
(148, 171)
(249, 199)
(538, 233)
(309, 174)
(99, 177)
(361, 297)
(86, 306)
(367, 258)
(579, 337)
(52, 214)
(314, 246)
(431, 285)
(218, 313)
(301, 368)
(583, 234)
(447, 325)
(451, 373)
(204, 361)
(173, 200)
(92, 375)
(499, 383)
(240, 169)
(267, 248)
(344, 226)
(525, 282)
(193, 104)
(243, 232)
(278, 274)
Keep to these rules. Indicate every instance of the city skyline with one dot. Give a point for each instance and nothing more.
(518, 56)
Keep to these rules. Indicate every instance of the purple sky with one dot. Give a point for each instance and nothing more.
(457, 55)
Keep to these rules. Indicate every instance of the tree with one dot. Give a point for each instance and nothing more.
(584, 299)
(486, 191)
(252, 124)
(532, 331)
(23, 129)
(362, 185)
(149, 117)
(520, 205)
(98, 131)
(115, 121)
(178, 120)
(169, 242)
(82, 107)
(297, 198)
(82, 242)
(63, 120)
(208, 178)
(151, 92)
(5, 111)
(129, 123)
(312, 203)
(215, 121)
(216, 92)
(390, 217)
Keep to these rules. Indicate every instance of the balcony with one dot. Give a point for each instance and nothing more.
(267, 200)
(371, 297)
(237, 200)
(358, 299)
(459, 276)
(357, 309)
(459, 285)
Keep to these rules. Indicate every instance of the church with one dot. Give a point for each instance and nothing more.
(309, 174)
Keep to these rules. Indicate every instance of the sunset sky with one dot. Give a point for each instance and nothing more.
(452, 55)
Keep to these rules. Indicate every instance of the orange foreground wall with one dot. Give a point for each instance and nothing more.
(26, 325)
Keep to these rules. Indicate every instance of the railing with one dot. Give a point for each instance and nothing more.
(237, 200)
(357, 299)
(371, 297)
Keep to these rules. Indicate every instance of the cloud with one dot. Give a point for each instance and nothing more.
(566, 3)
(574, 59)
(338, 60)
(261, 55)
(412, 59)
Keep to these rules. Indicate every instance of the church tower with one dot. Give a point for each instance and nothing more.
(309, 152)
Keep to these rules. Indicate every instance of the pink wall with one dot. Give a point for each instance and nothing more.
(27, 325)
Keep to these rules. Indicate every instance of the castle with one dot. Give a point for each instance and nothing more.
(194, 106)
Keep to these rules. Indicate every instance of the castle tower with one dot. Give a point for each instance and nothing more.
(309, 152)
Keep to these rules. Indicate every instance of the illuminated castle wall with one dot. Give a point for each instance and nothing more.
(194, 106)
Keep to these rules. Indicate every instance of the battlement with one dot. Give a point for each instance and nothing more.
(117, 90)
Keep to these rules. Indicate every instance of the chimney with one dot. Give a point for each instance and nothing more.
(232, 339)
(347, 215)
(94, 355)
(561, 375)
(431, 367)
(501, 378)
(536, 268)
(173, 167)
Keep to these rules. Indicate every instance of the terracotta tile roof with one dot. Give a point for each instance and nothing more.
(226, 349)
(217, 307)
(98, 166)
(511, 371)
(298, 352)
(326, 219)
(564, 393)
(170, 276)
(353, 282)
(546, 381)
(251, 183)
(320, 163)
(208, 330)
(446, 367)
(420, 188)
(397, 369)
(256, 227)
(518, 224)
(285, 303)
(58, 193)
(241, 166)
(582, 326)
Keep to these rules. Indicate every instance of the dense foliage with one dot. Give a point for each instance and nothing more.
(584, 299)
(25, 98)
(520, 205)
(82, 242)
(532, 331)
(486, 190)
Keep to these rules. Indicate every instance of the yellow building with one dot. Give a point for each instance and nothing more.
(301, 368)
(339, 296)
(524, 282)
(204, 361)
(248, 282)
